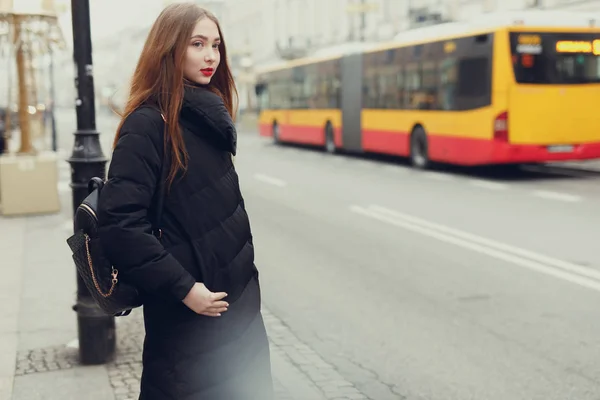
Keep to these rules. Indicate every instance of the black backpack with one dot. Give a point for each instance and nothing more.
(101, 278)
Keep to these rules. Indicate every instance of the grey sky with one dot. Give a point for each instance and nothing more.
(111, 16)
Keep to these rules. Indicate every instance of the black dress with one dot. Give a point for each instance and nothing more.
(206, 238)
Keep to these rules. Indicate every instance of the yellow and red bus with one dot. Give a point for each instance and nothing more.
(453, 93)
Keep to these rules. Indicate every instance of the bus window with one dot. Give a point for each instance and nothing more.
(400, 88)
(472, 76)
(383, 80)
(370, 82)
(429, 86)
(309, 87)
(448, 83)
(297, 88)
(279, 93)
(413, 86)
(262, 95)
(335, 90)
(474, 83)
(388, 90)
(556, 59)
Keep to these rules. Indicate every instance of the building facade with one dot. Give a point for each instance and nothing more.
(261, 31)
(262, 27)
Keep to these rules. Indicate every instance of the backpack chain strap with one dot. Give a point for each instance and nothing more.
(114, 272)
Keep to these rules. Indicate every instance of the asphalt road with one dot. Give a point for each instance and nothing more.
(451, 284)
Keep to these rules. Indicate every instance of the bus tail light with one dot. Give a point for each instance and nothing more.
(501, 127)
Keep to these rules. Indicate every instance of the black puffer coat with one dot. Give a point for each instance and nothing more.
(206, 238)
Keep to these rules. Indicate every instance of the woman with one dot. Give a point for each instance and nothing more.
(205, 337)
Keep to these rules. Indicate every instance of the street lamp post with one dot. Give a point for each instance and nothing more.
(96, 330)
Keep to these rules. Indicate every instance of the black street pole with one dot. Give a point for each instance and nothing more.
(96, 330)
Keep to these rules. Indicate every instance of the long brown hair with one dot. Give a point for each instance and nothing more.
(158, 78)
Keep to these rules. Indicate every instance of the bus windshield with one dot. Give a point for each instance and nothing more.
(555, 58)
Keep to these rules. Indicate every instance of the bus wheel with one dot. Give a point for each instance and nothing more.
(419, 156)
(276, 133)
(329, 141)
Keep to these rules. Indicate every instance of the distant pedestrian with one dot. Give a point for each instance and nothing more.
(2, 136)
(3, 133)
(205, 336)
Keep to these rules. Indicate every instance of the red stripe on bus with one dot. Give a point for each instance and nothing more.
(386, 142)
(463, 151)
(303, 134)
(467, 151)
(265, 129)
(442, 148)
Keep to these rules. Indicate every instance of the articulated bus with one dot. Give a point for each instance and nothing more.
(457, 93)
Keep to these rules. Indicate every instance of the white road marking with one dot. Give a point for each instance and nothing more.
(546, 194)
(488, 185)
(270, 180)
(524, 258)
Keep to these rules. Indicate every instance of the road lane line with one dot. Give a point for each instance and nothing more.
(524, 258)
(570, 267)
(270, 180)
(488, 185)
(546, 194)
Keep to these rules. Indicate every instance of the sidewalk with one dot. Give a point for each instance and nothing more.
(38, 347)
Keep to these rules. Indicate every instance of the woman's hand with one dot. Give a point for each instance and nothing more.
(204, 302)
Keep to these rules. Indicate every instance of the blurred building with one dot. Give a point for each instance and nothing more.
(262, 31)
(263, 28)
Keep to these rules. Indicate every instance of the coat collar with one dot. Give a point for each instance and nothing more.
(204, 113)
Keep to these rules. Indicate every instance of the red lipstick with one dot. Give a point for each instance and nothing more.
(207, 71)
